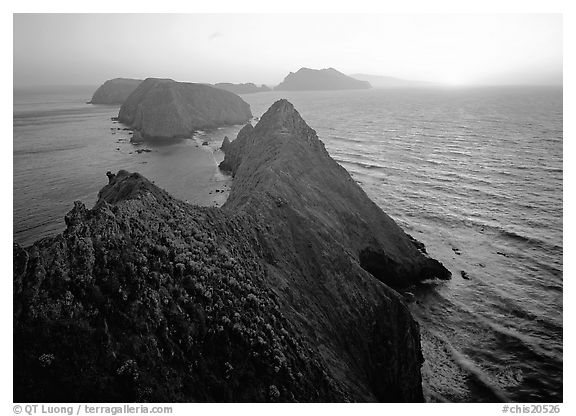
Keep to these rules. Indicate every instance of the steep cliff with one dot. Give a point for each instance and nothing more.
(115, 91)
(282, 159)
(247, 88)
(320, 79)
(145, 297)
(163, 108)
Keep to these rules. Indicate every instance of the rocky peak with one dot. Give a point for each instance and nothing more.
(225, 143)
(282, 117)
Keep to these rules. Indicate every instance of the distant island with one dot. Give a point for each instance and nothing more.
(282, 295)
(320, 79)
(247, 88)
(381, 81)
(115, 91)
(164, 108)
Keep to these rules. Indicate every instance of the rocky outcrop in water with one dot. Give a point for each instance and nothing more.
(163, 109)
(225, 143)
(269, 298)
(320, 79)
(248, 88)
(115, 91)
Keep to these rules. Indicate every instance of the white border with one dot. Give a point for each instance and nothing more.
(301, 6)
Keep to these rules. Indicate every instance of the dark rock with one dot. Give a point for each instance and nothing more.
(225, 144)
(110, 176)
(418, 244)
(163, 109)
(320, 79)
(143, 151)
(464, 275)
(136, 137)
(205, 143)
(409, 297)
(115, 91)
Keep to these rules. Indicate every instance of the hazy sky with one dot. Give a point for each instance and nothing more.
(457, 49)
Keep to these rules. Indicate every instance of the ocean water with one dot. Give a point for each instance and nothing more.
(63, 148)
(475, 174)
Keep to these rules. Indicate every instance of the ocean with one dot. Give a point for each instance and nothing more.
(473, 173)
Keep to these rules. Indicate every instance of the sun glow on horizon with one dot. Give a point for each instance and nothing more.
(451, 49)
(455, 77)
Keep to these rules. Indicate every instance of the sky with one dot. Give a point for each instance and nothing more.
(470, 49)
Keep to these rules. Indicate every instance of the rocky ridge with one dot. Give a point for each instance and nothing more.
(147, 298)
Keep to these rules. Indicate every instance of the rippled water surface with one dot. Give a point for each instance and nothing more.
(475, 174)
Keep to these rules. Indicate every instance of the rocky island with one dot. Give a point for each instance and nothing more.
(320, 79)
(283, 294)
(115, 91)
(248, 88)
(164, 109)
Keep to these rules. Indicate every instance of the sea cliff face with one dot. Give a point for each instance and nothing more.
(115, 91)
(145, 297)
(163, 108)
(320, 79)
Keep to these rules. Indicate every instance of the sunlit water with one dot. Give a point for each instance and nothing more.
(475, 174)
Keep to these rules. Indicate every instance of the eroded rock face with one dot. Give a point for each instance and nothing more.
(320, 79)
(115, 91)
(145, 297)
(163, 109)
